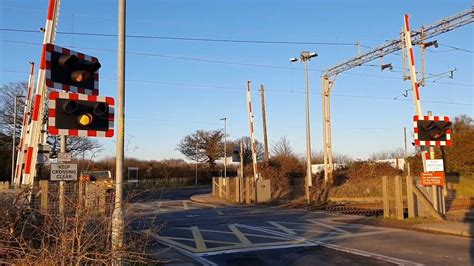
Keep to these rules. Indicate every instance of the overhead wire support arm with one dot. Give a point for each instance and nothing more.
(439, 27)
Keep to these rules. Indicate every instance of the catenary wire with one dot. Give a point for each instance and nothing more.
(236, 63)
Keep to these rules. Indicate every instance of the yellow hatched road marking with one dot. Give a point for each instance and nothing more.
(176, 243)
(207, 241)
(242, 238)
(329, 226)
(282, 228)
(185, 205)
(200, 244)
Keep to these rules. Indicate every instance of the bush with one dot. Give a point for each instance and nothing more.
(45, 237)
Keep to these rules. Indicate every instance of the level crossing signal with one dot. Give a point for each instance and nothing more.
(71, 71)
(83, 115)
(432, 131)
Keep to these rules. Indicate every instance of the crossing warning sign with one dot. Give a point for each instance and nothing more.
(63, 172)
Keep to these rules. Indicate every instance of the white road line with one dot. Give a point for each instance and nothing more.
(329, 226)
(348, 250)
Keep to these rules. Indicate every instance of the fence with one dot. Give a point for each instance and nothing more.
(161, 182)
(240, 190)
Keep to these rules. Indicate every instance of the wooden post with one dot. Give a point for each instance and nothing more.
(213, 186)
(44, 195)
(410, 198)
(386, 204)
(237, 190)
(227, 188)
(248, 184)
(264, 122)
(219, 180)
(398, 197)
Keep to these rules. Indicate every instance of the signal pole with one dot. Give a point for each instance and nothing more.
(117, 216)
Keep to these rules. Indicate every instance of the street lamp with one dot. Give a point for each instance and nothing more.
(306, 56)
(225, 144)
(15, 107)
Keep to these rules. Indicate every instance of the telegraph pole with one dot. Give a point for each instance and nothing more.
(117, 216)
(264, 122)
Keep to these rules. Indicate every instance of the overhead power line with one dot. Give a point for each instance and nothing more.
(457, 48)
(234, 63)
(186, 38)
(221, 87)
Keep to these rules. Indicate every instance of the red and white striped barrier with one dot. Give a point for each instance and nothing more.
(252, 133)
(34, 136)
(418, 142)
(23, 145)
(50, 48)
(53, 130)
(413, 77)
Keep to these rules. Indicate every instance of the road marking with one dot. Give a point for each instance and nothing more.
(185, 205)
(220, 213)
(205, 240)
(329, 226)
(302, 230)
(340, 248)
(282, 228)
(254, 248)
(200, 244)
(230, 233)
(369, 254)
(244, 240)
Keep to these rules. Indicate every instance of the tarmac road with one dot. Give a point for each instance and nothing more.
(261, 235)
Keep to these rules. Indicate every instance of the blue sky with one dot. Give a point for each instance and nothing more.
(169, 96)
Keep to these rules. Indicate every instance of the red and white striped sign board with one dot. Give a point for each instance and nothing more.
(49, 50)
(54, 130)
(419, 142)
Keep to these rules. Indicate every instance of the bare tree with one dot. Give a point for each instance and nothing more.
(204, 146)
(8, 94)
(247, 149)
(282, 147)
(77, 146)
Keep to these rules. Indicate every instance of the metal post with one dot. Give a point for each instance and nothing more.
(308, 138)
(325, 150)
(196, 181)
(117, 219)
(434, 188)
(226, 182)
(264, 124)
(62, 183)
(409, 181)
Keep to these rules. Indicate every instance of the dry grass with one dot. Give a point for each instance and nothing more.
(46, 237)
